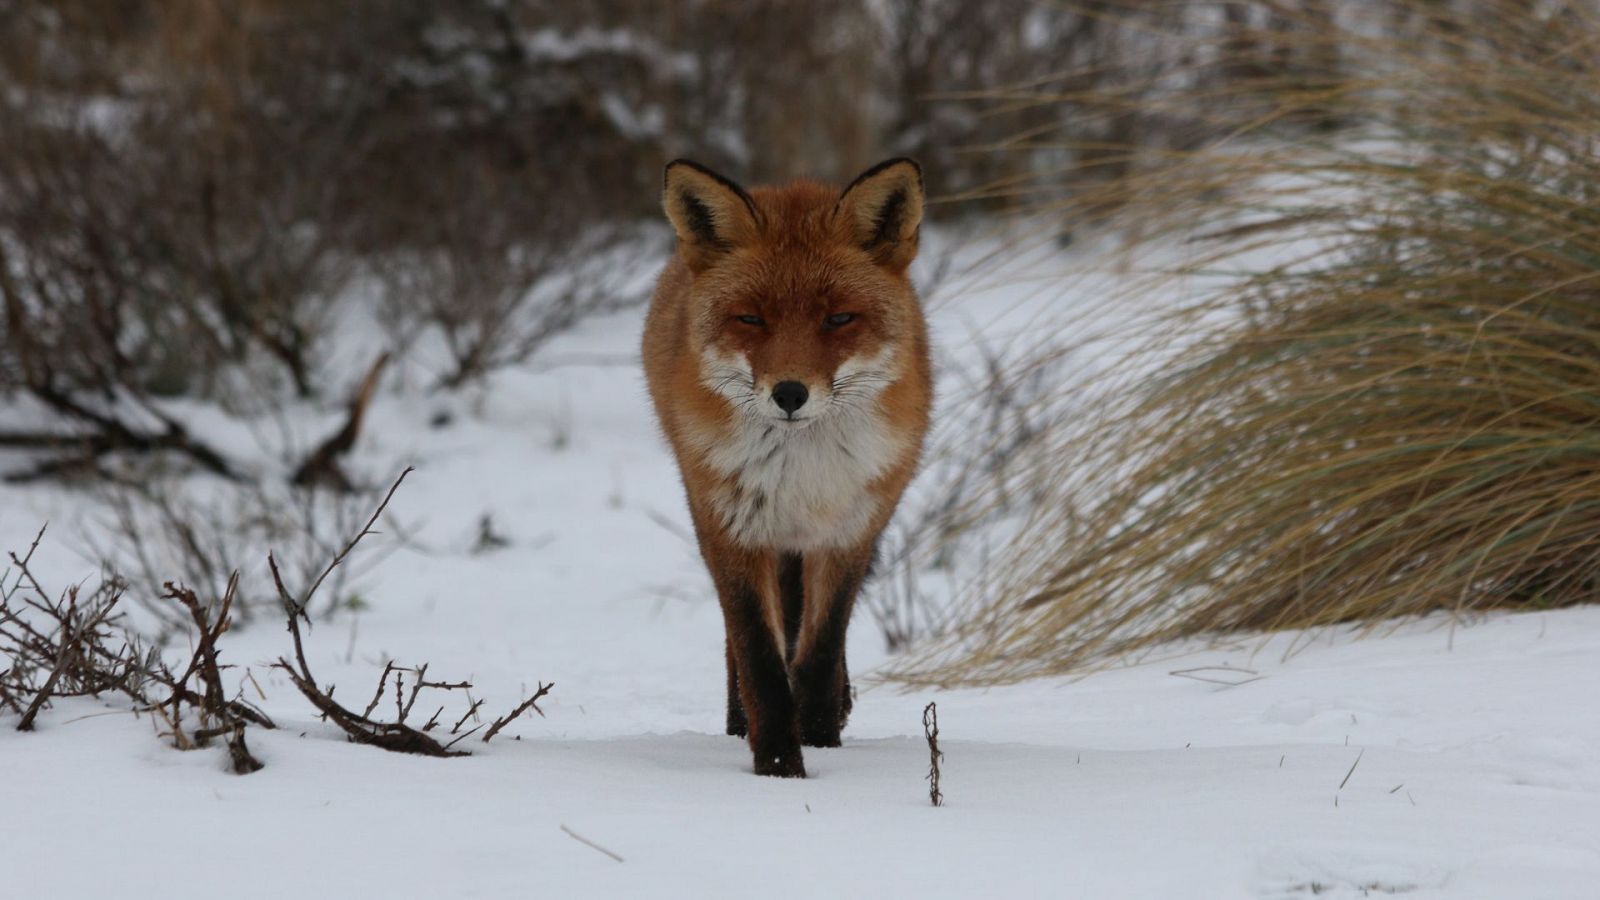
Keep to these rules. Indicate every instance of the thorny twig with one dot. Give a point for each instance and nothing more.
(472, 712)
(530, 703)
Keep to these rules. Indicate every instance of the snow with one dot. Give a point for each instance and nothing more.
(1475, 746)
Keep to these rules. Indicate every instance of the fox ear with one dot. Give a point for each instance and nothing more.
(711, 214)
(882, 209)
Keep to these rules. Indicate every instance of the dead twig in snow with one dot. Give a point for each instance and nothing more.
(588, 843)
(1352, 768)
(1223, 679)
(930, 728)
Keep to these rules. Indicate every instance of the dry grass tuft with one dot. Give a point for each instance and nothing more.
(1388, 406)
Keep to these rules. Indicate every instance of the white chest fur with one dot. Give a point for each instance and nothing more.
(800, 489)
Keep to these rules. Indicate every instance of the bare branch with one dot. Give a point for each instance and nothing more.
(530, 703)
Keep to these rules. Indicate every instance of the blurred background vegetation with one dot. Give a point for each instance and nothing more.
(1399, 419)
(190, 188)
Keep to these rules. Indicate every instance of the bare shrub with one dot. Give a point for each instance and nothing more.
(494, 300)
(148, 244)
(52, 642)
(898, 607)
(57, 647)
(176, 239)
(183, 200)
(73, 645)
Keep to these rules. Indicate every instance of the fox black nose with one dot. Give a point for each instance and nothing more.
(789, 395)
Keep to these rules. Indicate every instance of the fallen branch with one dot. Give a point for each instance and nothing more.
(321, 468)
(110, 434)
(396, 736)
(361, 727)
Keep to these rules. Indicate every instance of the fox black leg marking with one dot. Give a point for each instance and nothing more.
(847, 700)
(737, 725)
(821, 679)
(763, 682)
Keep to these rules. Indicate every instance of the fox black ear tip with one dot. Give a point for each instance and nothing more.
(666, 170)
(690, 164)
(906, 160)
(890, 163)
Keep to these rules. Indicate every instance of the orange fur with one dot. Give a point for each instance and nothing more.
(757, 296)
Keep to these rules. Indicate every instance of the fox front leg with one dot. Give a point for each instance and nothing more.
(748, 590)
(821, 682)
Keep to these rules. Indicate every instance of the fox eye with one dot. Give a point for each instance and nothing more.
(838, 320)
(751, 320)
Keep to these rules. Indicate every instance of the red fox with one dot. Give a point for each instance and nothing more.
(787, 360)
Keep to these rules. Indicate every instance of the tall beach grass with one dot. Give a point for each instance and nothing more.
(1384, 401)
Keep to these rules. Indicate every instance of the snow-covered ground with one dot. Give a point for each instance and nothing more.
(1443, 760)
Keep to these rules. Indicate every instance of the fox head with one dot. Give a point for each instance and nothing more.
(799, 303)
